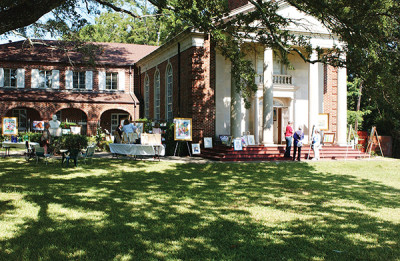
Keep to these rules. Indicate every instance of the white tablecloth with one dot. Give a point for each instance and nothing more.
(20, 145)
(137, 149)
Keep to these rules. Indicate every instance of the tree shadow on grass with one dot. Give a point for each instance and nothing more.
(137, 210)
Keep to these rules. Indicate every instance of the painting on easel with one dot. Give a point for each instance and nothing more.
(183, 129)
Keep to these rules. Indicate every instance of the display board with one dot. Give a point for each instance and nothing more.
(323, 121)
(183, 129)
(150, 139)
(9, 126)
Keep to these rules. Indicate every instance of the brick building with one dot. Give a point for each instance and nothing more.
(188, 77)
(50, 78)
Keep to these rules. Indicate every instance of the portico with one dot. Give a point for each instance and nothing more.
(299, 95)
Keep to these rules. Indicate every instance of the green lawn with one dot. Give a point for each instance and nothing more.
(143, 210)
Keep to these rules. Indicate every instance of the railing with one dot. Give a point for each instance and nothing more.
(282, 79)
(276, 79)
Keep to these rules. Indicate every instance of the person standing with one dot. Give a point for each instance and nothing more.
(298, 137)
(128, 127)
(289, 138)
(46, 138)
(316, 144)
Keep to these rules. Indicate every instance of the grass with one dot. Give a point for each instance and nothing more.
(137, 210)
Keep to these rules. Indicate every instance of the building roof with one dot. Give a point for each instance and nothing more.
(54, 51)
(73, 97)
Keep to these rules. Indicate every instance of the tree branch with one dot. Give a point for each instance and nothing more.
(25, 13)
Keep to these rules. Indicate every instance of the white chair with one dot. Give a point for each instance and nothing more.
(89, 153)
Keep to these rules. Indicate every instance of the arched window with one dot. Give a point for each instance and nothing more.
(157, 96)
(169, 93)
(146, 97)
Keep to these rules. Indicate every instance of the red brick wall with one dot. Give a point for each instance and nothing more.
(47, 109)
(203, 92)
(197, 88)
(330, 95)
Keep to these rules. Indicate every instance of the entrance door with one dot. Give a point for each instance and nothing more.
(116, 119)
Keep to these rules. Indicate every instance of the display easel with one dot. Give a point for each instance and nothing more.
(370, 141)
(351, 132)
(187, 143)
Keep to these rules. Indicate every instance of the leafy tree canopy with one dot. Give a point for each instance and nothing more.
(370, 29)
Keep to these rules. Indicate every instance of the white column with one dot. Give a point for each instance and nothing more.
(268, 123)
(256, 117)
(341, 124)
(291, 110)
(236, 111)
(313, 93)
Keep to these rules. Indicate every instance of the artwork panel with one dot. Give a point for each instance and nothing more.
(10, 126)
(195, 148)
(208, 143)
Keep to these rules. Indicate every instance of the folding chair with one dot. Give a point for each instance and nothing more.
(89, 153)
(39, 153)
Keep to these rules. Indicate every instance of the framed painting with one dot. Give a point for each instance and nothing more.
(323, 121)
(38, 125)
(244, 141)
(208, 143)
(9, 126)
(139, 126)
(225, 139)
(183, 129)
(250, 139)
(195, 148)
(237, 144)
(329, 137)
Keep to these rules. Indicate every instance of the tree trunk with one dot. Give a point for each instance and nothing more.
(358, 106)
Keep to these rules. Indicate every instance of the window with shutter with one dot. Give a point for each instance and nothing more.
(79, 80)
(10, 78)
(45, 79)
(112, 81)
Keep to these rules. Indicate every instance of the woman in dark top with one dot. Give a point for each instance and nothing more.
(298, 137)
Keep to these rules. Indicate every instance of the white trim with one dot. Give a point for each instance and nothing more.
(121, 80)
(157, 72)
(146, 96)
(169, 65)
(89, 80)
(170, 50)
(20, 78)
(69, 77)
(55, 79)
(1, 77)
(34, 78)
(102, 80)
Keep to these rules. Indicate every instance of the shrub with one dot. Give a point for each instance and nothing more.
(73, 143)
(66, 125)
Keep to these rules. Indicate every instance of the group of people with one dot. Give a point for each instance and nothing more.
(128, 127)
(296, 138)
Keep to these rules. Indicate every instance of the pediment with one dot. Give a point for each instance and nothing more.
(302, 22)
